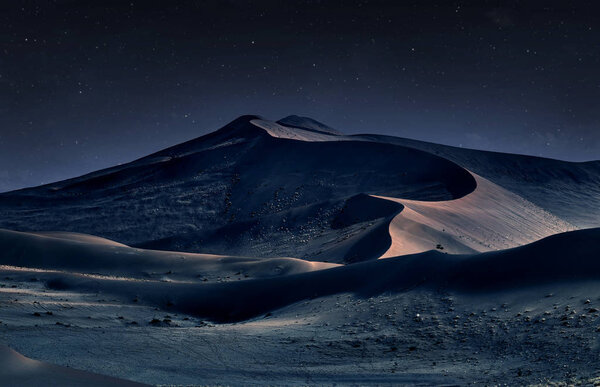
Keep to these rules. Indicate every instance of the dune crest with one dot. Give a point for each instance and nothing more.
(489, 218)
(83, 254)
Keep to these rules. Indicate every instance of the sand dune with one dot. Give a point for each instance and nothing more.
(364, 309)
(17, 370)
(540, 262)
(84, 254)
(569, 190)
(250, 255)
(238, 191)
(73, 236)
(308, 123)
(277, 130)
(490, 218)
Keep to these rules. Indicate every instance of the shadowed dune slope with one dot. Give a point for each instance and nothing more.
(17, 370)
(571, 256)
(238, 191)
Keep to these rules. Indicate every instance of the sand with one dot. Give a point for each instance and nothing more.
(250, 256)
(17, 370)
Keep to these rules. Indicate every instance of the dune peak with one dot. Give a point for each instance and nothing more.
(308, 123)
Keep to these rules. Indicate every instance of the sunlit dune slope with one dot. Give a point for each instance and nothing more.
(489, 218)
(569, 190)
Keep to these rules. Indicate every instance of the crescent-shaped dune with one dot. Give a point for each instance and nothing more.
(489, 218)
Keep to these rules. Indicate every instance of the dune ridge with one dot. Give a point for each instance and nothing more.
(569, 190)
(489, 218)
(539, 262)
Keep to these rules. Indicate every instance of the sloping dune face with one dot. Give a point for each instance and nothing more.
(85, 255)
(568, 190)
(247, 189)
(17, 370)
(490, 218)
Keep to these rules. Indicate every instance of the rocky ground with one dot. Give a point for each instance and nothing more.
(550, 334)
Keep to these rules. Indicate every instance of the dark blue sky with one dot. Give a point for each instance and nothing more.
(86, 85)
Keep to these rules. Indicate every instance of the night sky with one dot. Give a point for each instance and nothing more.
(90, 84)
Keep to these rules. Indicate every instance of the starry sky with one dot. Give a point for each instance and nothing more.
(90, 84)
